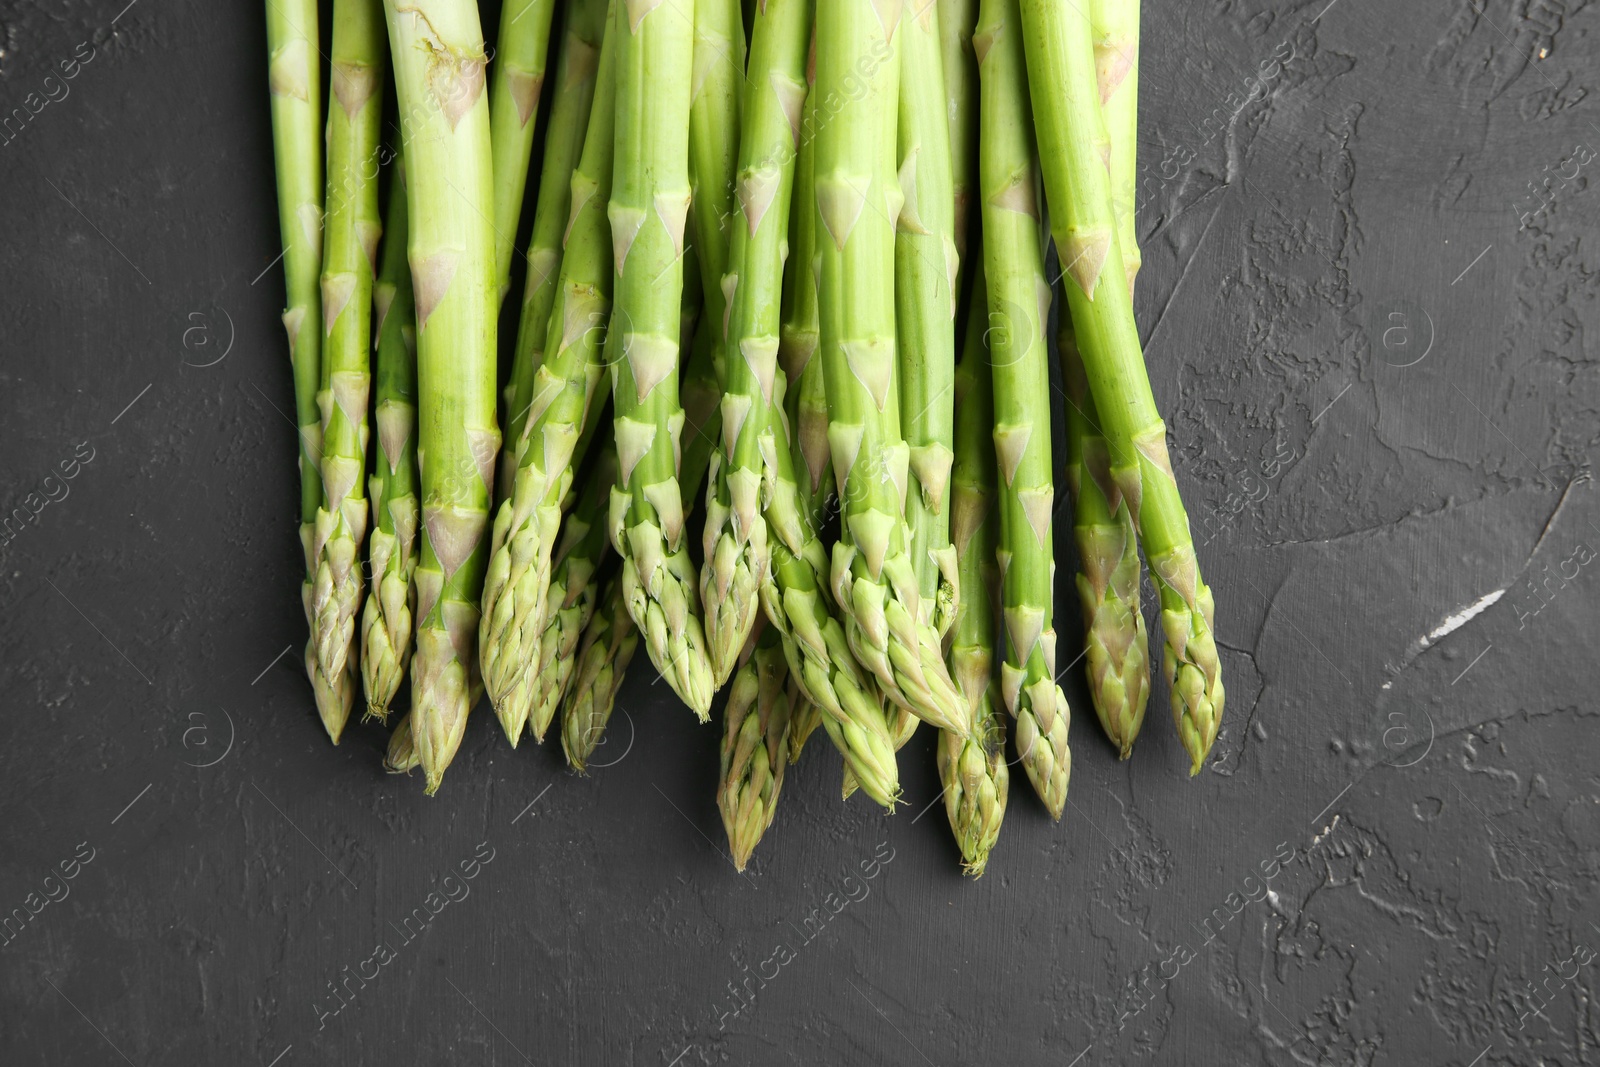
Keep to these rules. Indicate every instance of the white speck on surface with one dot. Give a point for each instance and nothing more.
(1462, 617)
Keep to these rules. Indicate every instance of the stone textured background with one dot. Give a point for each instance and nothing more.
(1368, 300)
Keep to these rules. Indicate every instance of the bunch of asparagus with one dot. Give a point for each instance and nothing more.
(753, 228)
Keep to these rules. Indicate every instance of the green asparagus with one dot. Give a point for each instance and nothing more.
(737, 559)
(560, 395)
(437, 47)
(648, 210)
(972, 766)
(1061, 68)
(925, 264)
(1019, 307)
(576, 71)
(295, 82)
(392, 552)
(352, 229)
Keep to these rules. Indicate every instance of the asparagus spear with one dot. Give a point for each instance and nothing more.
(1108, 547)
(972, 766)
(392, 552)
(649, 207)
(514, 87)
(574, 587)
(560, 394)
(796, 600)
(754, 740)
(295, 83)
(925, 265)
(610, 635)
(956, 19)
(1073, 143)
(738, 561)
(1118, 653)
(1019, 306)
(858, 199)
(576, 70)
(437, 47)
(351, 242)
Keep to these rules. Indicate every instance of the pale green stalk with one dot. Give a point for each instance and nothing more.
(648, 211)
(972, 766)
(293, 76)
(925, 266)
(576, 71)
(515, 84)
(1073, 148)
(561, 391)
(1115, 26)
(960, 67)
(437, 48)
(744, 470)
(714, 124)
(1019, 308)
(755, 738)
(392, 551)
(352, 229)
(858, 200)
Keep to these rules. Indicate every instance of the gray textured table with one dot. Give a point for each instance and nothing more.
(1368, 288)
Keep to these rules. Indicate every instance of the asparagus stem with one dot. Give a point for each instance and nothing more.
(576, 70)
(392, 486)
(714, 123)
(858, 200)
(350, 246)
(1019, 307)
(560, 394)
(1118, 656)
(514, 88)
(754, 740)
(437, 47)
(972, 766)
(1115, 26)
(295, 82)
(649, 207)
(925, 265)
(960, 68)
(743, 471)
(1073, 146)
(574, 588)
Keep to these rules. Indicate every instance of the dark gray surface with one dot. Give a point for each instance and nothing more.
(1380, 387)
